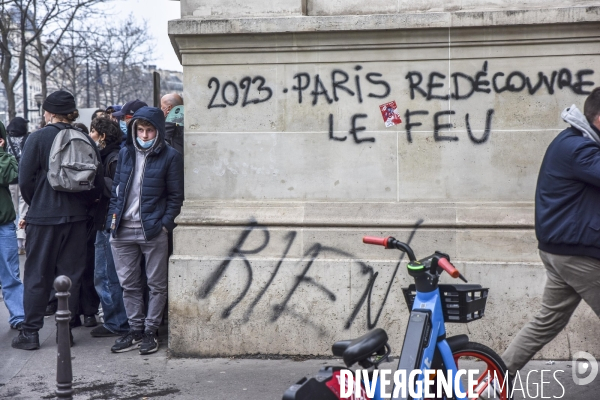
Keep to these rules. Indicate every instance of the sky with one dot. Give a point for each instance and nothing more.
(157, 13)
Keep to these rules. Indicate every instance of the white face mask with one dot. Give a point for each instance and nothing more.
(145, 145)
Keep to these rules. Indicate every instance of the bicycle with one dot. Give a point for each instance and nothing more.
(425, 346)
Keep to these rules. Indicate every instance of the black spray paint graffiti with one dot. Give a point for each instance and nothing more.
(353, 130)
(322, 89)
(238, 252)
(230, 94)
(464, 85)
(437, 126)
(338, 79)
(366, 296)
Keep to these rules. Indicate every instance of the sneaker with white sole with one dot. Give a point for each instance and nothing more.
(149, 342)
(129, 341)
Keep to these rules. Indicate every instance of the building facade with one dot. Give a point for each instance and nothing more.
(34, 87)
(294, 150)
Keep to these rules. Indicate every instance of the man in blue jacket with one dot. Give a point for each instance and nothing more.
(567, 226)
(147, 195)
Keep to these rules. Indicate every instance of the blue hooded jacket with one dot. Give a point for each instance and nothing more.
(567, 198)
(161, 192)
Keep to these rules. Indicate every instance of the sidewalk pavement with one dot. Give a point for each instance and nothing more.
(100, 374)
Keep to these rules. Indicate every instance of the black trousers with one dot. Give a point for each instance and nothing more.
(52, 250)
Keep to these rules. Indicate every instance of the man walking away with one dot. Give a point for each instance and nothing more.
(147, 195)
(12, 288)
(567, 226)
(56, 220)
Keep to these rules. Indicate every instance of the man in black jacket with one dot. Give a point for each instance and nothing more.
(567, 226)
(56, 221)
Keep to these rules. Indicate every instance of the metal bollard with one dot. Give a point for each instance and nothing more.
(64, 372)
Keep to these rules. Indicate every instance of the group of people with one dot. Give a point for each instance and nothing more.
(111, 238)
(137, 193)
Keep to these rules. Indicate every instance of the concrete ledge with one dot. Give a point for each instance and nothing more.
(519, 215)
(217, 26)
(489, 245)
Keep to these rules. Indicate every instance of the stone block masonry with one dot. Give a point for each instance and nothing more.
(289, 163)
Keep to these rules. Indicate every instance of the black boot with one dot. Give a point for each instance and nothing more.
(27, 340)
(89, 321)
(51, 308)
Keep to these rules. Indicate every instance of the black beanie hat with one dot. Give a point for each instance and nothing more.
(60, 102)
(17, 127)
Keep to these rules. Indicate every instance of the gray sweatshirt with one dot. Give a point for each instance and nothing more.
(131, 214)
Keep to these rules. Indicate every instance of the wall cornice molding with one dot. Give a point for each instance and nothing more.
(456, 215)
(457, 19)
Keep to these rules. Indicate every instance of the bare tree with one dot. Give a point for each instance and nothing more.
(59, 39)
(16, 34)
(112, 58)
(57, 29)
(64, 69)
(122, 57)
(39, 24)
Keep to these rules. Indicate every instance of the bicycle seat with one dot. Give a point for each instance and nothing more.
(358, 349)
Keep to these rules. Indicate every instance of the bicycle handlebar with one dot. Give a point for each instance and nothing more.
(376, 240)
(390, 242)
(448, 267)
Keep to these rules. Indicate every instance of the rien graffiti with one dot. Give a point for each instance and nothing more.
(239, 252)
(342, 85)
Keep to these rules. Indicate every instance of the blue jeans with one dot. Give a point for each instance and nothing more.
(12, 287)
(108, 287)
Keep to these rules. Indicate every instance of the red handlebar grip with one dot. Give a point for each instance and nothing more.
(375, 240)
(449, 268)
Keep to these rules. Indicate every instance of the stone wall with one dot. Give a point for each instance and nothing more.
(258, 8)
(289, 163)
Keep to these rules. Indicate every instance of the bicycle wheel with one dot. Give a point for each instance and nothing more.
(492, 372)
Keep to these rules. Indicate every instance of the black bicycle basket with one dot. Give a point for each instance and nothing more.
(460, 303)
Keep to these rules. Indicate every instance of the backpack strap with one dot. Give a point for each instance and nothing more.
(23, 141)
(60, 128)
(61, 125)
(112, 158)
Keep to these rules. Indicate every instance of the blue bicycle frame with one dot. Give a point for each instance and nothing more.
(425, 350)
(426, 329)
(426, 322)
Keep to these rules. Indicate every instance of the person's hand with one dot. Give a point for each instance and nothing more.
(22, 224)
(2, 142)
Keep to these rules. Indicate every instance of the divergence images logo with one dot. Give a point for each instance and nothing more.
(589, 367)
